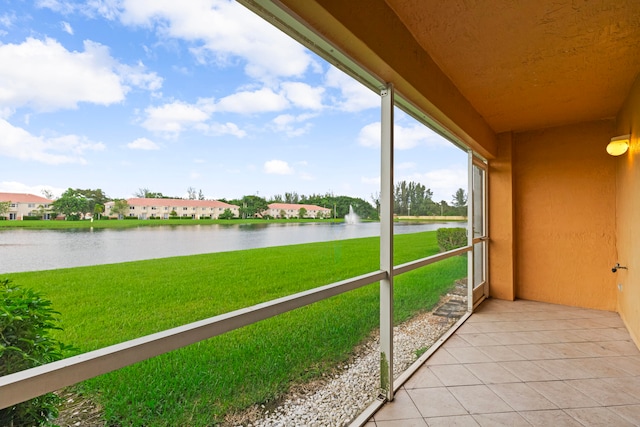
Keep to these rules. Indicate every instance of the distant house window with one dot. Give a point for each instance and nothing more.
(32, 205)
(13, 205)
(131, 208)
(166, 208)
(153, 208)
(193, 209)
(184, 209)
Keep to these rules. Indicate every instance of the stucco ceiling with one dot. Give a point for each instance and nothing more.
(532, 64)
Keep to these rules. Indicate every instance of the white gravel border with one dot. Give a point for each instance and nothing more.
(336, 401)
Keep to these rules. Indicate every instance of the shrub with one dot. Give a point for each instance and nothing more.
(26, 319)
(31, 218)
(130, 217)
(451, 238)
(227, 214)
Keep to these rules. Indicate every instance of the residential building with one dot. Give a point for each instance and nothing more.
(144, 208)
(292, 210)
(24, 204)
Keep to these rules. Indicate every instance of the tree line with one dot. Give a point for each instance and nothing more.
(410, 199)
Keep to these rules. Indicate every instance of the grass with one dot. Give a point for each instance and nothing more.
(199, 384)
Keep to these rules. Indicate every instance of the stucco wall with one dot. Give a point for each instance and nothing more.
(628, 215)
(501, 221)
(565, 209)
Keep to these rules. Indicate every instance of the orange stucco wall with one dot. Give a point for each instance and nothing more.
(565, 206)
(501, 221)
(628, 214)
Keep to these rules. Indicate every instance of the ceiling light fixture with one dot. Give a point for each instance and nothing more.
(618, 145)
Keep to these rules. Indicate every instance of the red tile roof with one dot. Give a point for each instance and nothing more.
(23, 198)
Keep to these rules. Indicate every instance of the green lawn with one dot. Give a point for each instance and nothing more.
(199, 384)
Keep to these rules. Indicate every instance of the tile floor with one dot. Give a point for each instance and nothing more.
(525, 363)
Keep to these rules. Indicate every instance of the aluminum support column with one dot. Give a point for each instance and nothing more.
(386, 243)
(470, 233)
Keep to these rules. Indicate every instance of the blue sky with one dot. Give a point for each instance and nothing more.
(167, 95)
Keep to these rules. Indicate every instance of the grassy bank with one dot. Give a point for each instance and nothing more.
(199, 384)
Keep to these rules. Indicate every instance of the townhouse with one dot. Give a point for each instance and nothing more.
(24, 205)
(292, 210)
(145, 208)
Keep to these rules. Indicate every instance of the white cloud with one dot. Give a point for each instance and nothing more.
(45, 76)
(218, 129)
(303, 95)
(355, 96)
(19, 187)
(7, 20)
(173, 118)
(20, 144)
(404, 137)
(369, 135)
(247, 102)
(218, 31)
(289, 124)
(66, 27)
(143, 144)
(278, 167)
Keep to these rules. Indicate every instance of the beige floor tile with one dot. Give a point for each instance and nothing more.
(402, 408)
(415, 422)
(554, 417)
(500, 353)
(468, 355)
(491, 373)
(631, 364)
(598, 417)
(563, 395)
(497, 327)
(564, 369)
(423, 378)
(630, 413)
(454, 421)
(510, 338)
(452, 375)
(534, 351)
(629, 385)
(528, 371)
(603, 392)
(521, 397)
(527, 363)
(601, 367)
(441, 357)
(621, 347)
(505, 419)
(568, 350)
(436, 402)
(596, 349)
(563, 336)
(479, 399)
(480, 339)
(456, 341)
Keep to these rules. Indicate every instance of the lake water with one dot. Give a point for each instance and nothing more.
(31, 250)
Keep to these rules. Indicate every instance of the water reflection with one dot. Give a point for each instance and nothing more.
(30, 250)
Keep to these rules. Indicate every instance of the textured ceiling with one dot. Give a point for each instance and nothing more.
(532, 64)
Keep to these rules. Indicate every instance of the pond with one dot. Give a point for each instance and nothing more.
(32, 250)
